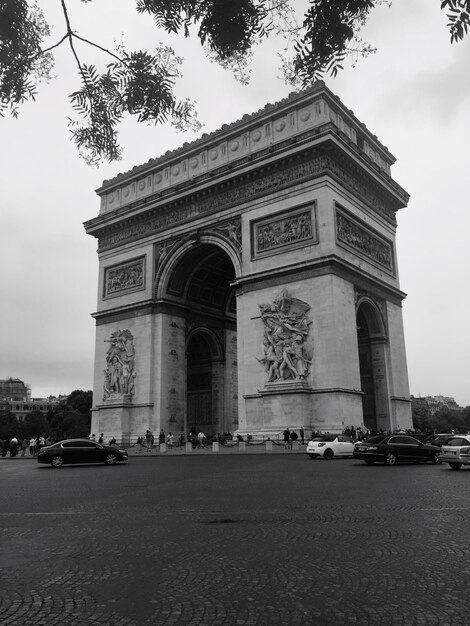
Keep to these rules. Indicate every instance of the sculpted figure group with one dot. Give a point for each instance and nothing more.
(286, 327)
(119, 375)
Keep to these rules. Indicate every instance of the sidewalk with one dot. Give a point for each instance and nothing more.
(233, 449)
(135, 451)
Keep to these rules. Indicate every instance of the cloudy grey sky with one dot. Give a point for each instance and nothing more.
(414, 94)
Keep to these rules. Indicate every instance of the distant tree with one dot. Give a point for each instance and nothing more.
(72, 418)
(80, 401)
(142, 83)
(35, 424)
(421, 417)
(9, 426)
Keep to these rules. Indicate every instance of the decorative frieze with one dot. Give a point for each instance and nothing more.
(125, 277)
(291, 228)
(363, 240)
(279, 177)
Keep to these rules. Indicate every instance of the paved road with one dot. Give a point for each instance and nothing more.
(234, 539)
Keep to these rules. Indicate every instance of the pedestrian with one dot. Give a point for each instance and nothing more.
(169, 440)
(286, 434)
(32, 446)
(302, 435)
(293, 437)
(24, 445)
(161, 436)
(148, 440)
(101, 438)
(201, 439)
(41, 442)
(13, 446)
(93, 437)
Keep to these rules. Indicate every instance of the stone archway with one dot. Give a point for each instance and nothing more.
(199, 291)
(204, 367)
(373, 347)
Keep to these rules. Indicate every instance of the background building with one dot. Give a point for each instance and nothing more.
(15, 398)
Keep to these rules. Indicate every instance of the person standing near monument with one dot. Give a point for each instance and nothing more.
(148, 440)
(286, 434)
(302, 435)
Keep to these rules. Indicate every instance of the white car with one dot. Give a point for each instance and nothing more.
(329, 446)
(456, 451)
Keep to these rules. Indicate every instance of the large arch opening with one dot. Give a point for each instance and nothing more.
(201, 287)
(372, 345)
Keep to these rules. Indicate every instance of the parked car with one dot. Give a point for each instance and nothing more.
(456, 452)
(390, 449)
(80, 451)
(438, 439)
(329, 446)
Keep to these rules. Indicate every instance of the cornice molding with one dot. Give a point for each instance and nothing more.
(325, 160)
(269, 126)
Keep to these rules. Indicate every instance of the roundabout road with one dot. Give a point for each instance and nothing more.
(245, 540)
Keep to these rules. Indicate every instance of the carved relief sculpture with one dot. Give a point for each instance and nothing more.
(283, 231)
(286, 328)
(119, 375)
(350, 233)
(126, 277)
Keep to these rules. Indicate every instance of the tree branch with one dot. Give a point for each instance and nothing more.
(91, 43)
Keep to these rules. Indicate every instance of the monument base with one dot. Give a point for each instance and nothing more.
(118, 417)
(279, 405)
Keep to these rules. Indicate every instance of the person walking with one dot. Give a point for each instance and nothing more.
(201, 439)
(148, 440)
(169, 440)
(302, 435)
(32, 446)
(24, 445)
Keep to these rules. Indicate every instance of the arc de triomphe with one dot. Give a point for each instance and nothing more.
(248, 281)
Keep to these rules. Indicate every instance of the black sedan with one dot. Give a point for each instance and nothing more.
(80, 451)
(390, 449)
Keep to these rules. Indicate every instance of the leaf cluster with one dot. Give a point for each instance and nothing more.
(138, 83)
(458, 12)
(22, 62)
(228, 28)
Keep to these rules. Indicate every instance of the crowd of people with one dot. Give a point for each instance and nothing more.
(28, 446)
(196, 439)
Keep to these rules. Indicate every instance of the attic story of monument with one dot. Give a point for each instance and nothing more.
(248, 281)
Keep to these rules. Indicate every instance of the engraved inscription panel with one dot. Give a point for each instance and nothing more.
(349, 232)
(126, 277)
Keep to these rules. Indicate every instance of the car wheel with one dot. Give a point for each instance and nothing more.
(390, 458)
(111, 459)
(455, 466)
(328, 454)
(369, 462)
(57, 461)
(436, 458)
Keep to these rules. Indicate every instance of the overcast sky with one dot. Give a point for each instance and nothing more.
(414, 94)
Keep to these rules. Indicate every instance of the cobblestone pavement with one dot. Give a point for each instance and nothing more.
(234, 539)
